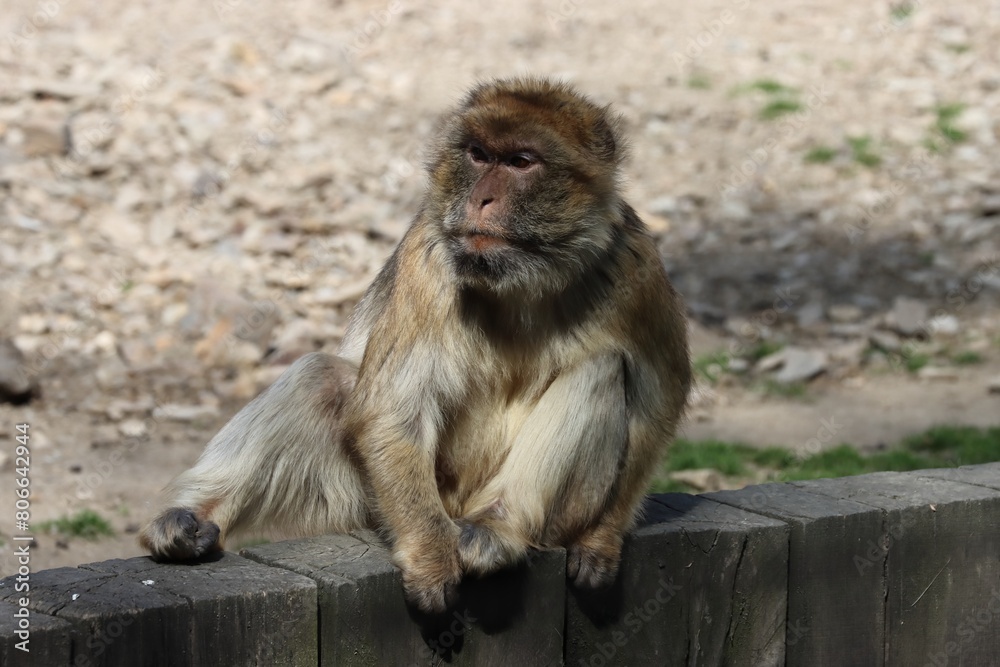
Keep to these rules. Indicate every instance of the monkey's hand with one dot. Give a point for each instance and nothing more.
(486, 546)
(592, 562)
(178, 534)
(431, 570)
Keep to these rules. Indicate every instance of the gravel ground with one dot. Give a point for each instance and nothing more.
(194, 194)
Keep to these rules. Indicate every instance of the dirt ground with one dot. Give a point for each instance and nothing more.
(193, 194)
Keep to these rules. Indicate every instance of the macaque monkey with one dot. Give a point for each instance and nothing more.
(509, 381)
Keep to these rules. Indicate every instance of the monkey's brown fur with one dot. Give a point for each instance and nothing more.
(509, 380)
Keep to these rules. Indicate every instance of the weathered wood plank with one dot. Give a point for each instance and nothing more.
(137, 612)
(939, 550)
(49, 639)
(512, 618)
(701, 583)
(836, 608)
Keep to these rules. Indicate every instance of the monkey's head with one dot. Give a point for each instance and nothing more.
(524, 184)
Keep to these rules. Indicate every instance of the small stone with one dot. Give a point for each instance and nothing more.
(133, 428)
(938, 373)
(848, 329)
(185, 413)
(665, 205)
(801, 365)
(17, 385)
(993, 386)
(33, 323)
(849, 353)
(809, 314)
(844, 313)
(885, 340)
(947, 325)
(908, 316)
(770, 362)
(45, 136)
(701, 479)
(738, 365)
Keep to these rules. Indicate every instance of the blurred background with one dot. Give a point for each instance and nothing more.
(194, 194)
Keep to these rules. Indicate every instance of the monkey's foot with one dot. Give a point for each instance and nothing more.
(178, 534)
(483, 550)
(431, 571)
(593, 566)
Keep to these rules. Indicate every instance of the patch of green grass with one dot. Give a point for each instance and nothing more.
(770, 87)
(699, 82)
(763, 348)
(967, 358)
(914, 362)
(777, 108)
(957, 445)
(777, 458)
(87, 524)
(725, 457)
(901, 11)
(945, 124)
(863, 152)
(711, 366)
(938, 447)
(820, 154)
(933, 145)
(783, 389)
(957, 48)
(667, 485)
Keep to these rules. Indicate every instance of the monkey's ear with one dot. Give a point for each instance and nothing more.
(608, 143)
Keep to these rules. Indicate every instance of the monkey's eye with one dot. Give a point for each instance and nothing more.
(521, 161)
(478, 154)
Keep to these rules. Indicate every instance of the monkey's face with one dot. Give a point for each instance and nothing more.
(524, 182)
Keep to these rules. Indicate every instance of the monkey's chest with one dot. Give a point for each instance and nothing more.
(478, 439)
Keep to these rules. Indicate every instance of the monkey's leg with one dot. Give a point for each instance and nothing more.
(279, 463)
(560, 470)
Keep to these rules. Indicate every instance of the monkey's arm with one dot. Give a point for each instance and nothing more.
(560, 471)
(396, 420)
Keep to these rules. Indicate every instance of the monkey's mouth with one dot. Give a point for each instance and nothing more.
(482, 242)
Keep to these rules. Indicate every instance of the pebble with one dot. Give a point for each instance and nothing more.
(801, 365)
(844, 313)
(908, 316)
(17, 384)
(938, 373)
(885, 340)
(700, 479)
(185, 413)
